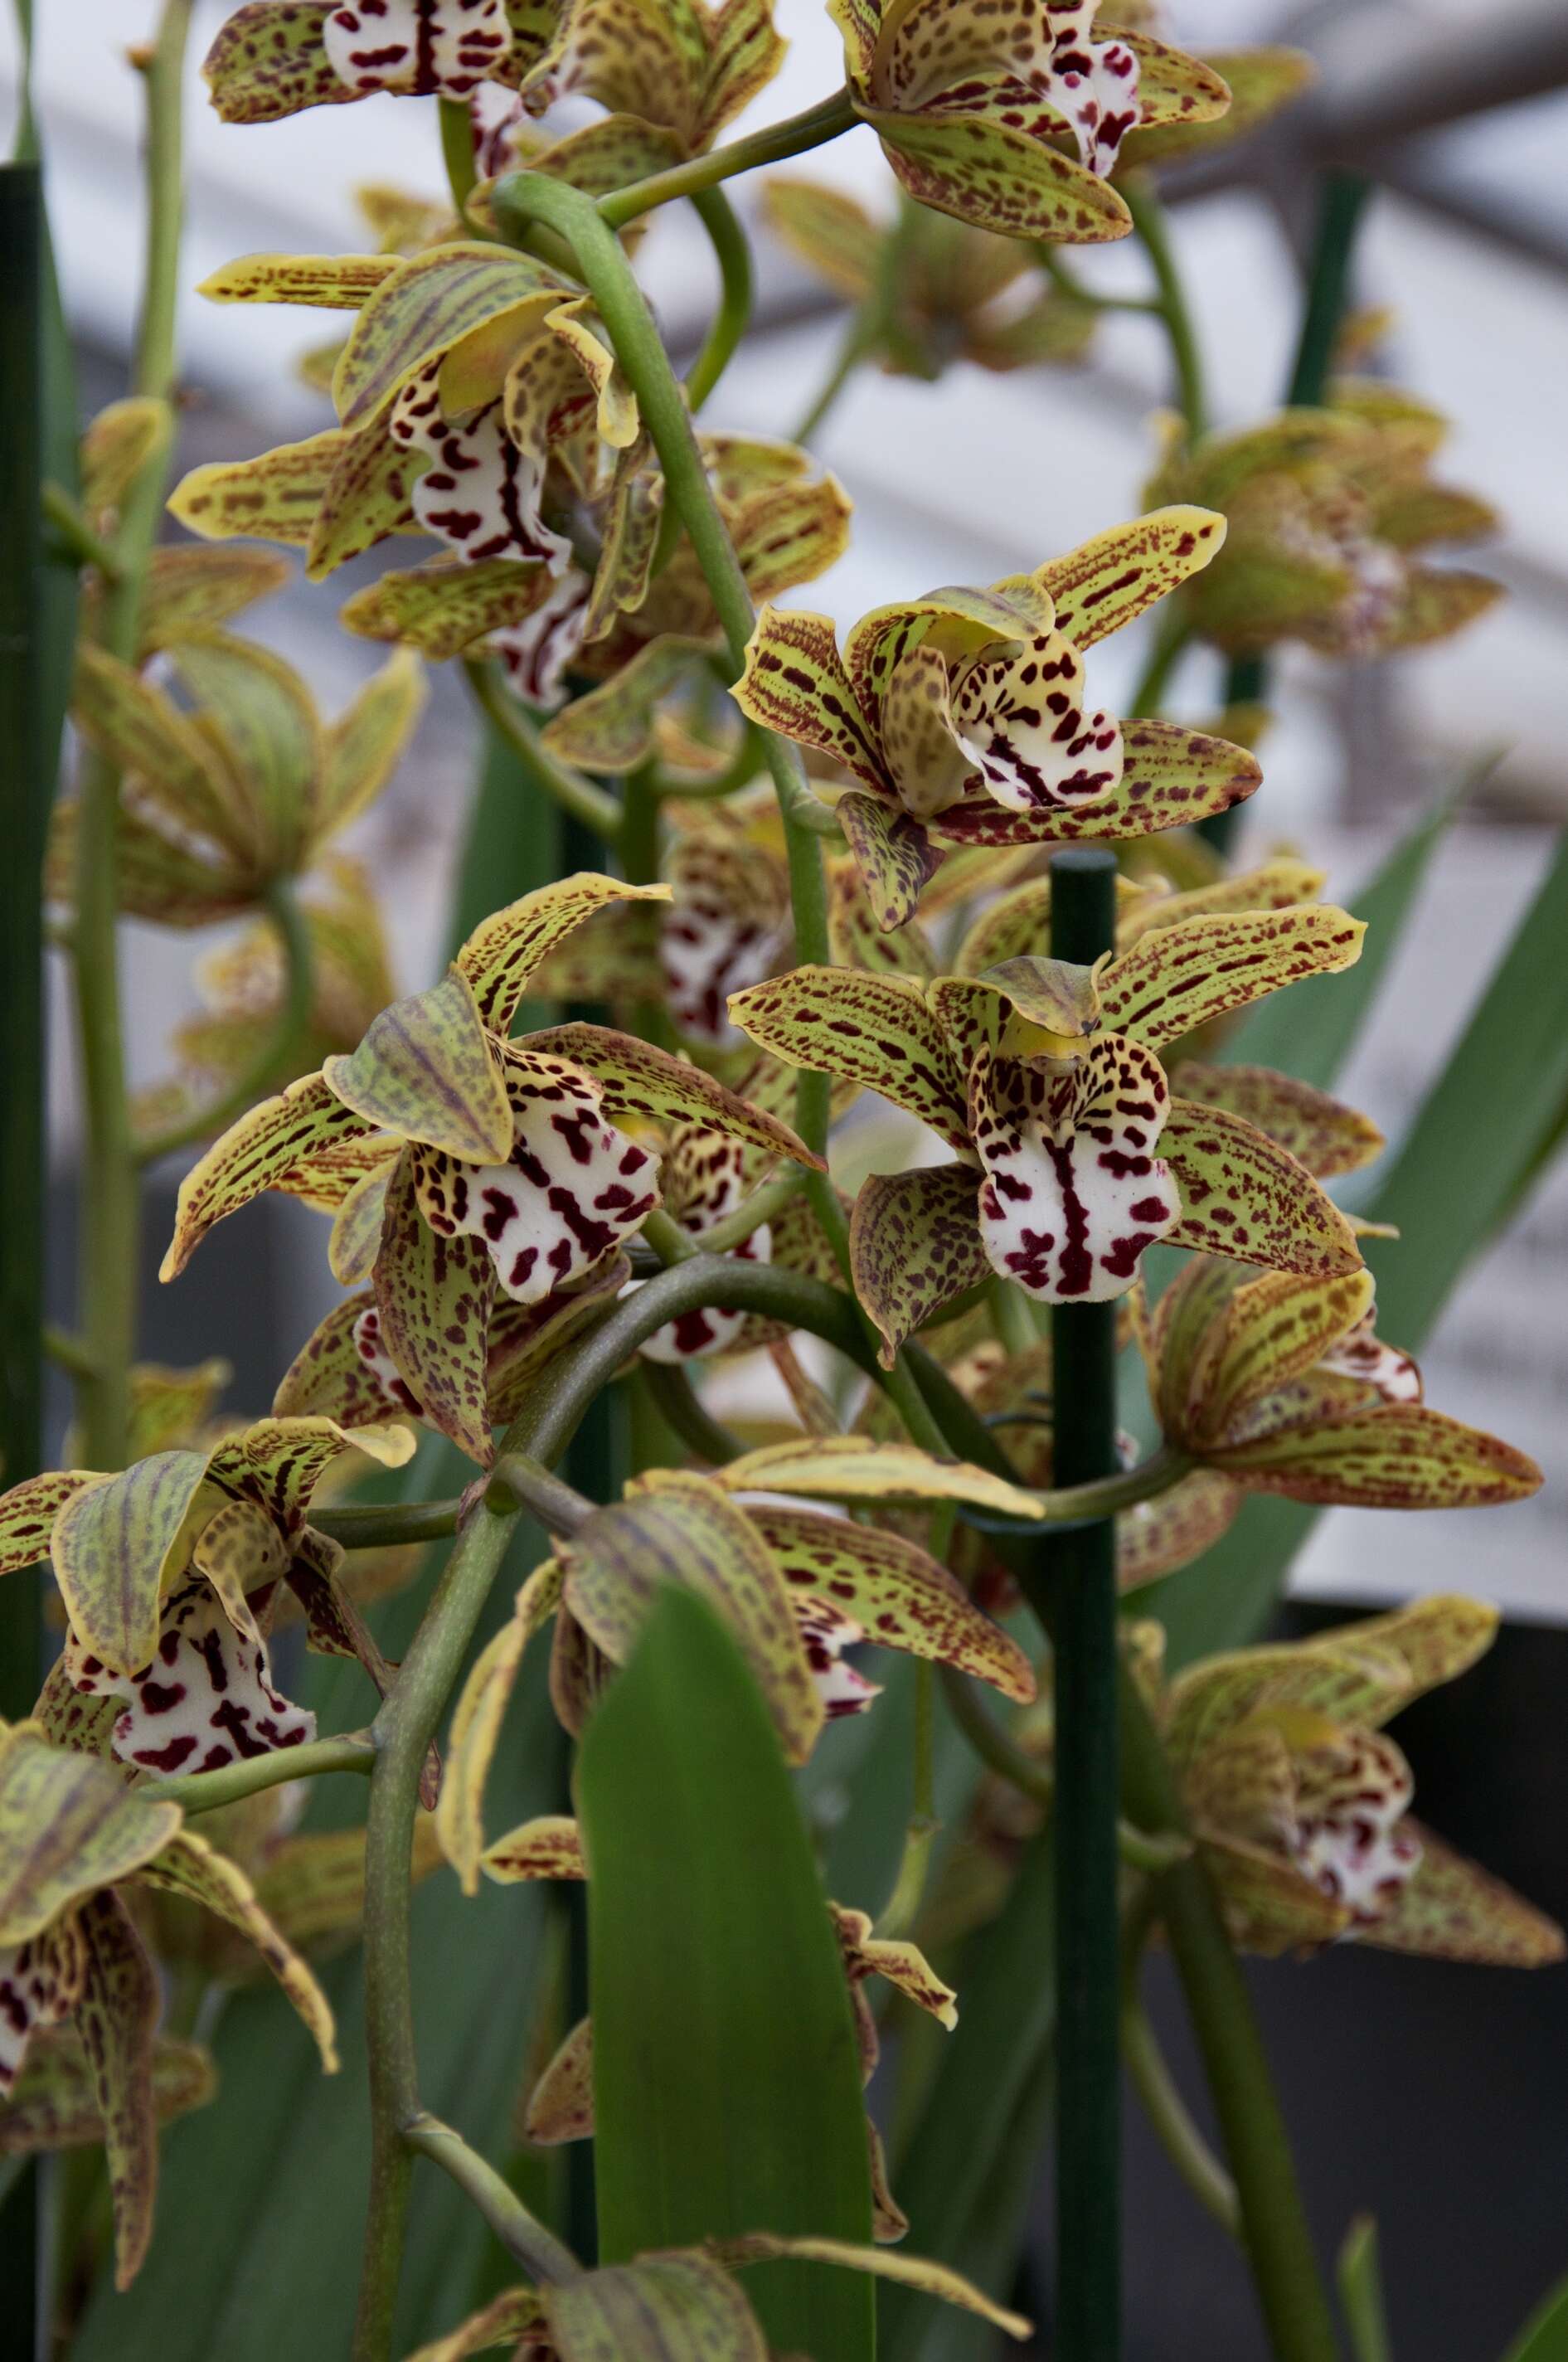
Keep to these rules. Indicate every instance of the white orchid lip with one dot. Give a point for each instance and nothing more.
(206, 1700)
(1072, 1192)
(419, 46)
(481, 493)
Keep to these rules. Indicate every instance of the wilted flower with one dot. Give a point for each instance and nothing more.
(1074, 1156)
(964, 718)
(1330, 511)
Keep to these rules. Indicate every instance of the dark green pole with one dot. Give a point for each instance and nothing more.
(1081, 1569)
(1341, 201)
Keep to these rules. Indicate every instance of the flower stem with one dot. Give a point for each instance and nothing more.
(732, 255)
(1171, 643)
(203, 1792)
(402, 1732)
(1167, 2113)
(526, 2241)
(595, 807)
(793, 137)
(458, 156)
(1085, 1657)
(82, 546)
(110, 1224)
(275, 1062)
(1341, 205)
(387, 1526)
(526, 197)
(1149, 222)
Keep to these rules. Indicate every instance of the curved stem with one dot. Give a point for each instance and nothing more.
(854, 348)
(1149, 221)
(738, 772)
(277, 1056)
(526, 2241)
(386, 1526)
(593, 806)
(793, 137)
(903, 1907)
(1184, 2145)
(517, 1481)
(402, 1732)
(202, 1791)
(110, 1213)
(732, 255)
(524, 197)
(82, 546)
(681, 1406)
(1170, 645)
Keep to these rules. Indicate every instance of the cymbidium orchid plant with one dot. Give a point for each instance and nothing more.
(803, 1469)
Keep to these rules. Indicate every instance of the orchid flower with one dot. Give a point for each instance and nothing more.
(958, 290)
(1302, 1801)
(1073, 1156)
(169, 1571)
(1280, 1384)
(964, 717)
(272, 58)
(976, 107)
(1331, 512)
(79, 2055)
(468, 1163)
(796, 1587)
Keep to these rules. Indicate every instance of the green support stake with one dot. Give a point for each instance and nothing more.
(1343, 201)
(1082, 1592)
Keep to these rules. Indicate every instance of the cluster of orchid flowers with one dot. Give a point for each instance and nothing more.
(487, 1192)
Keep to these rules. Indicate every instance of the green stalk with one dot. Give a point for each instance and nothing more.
(1082, 1579)
(458, 156)
(203, 1792)
(275, 1062)
(1341, 205)
(797, 133)
(526, 2241)
(1184, 2145)
(524, 198)
(110, 1250)
(732, 253)
(402, 1732)
(593, 806)
(1149, 222)
(873, 324)
(389, 1525)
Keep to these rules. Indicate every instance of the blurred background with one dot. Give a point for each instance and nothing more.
(1462, 117)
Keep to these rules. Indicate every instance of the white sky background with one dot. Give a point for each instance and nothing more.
(976, 477)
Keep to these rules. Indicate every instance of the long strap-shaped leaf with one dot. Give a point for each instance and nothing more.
(719, 2000)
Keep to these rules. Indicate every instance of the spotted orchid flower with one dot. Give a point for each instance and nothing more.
(80, 2057)
(1073, 1153)
(795, 1584)
(1280, 1384)
(273, 58)
(1301, 1801)
(232, 780)
(959, 292)
(1331, 512)
(670, 78)
(468, 1164)
(169, 1574)
(964, 718)
(977, 106)
(469, 373)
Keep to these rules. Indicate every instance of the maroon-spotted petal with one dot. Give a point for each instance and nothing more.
(206, 1700)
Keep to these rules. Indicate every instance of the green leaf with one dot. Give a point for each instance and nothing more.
(1483, 1123)
(1544, 2337)
(717, 1991)
(1310, 1035)
(947, 2164)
